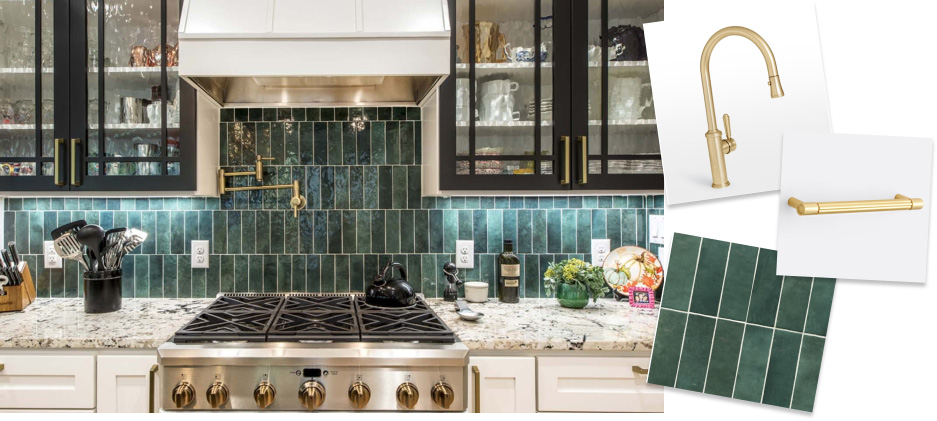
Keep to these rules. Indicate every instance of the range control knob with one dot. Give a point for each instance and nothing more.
(443, 395)
(360, 394)
(312, 394)
(183, 395)
(217, 394)
(408, 395)
(264, 394)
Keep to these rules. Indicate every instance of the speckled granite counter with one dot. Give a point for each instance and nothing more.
(62, 323)
(534, 324)
(541, 324)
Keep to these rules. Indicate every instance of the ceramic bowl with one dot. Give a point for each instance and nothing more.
(476, 292)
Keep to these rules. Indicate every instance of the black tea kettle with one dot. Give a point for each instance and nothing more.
(386, 291)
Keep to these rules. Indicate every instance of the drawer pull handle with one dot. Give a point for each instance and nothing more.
(638, 369)
(566, 153)
(478, 396)
(2, 366)
(153, 371)
(822, 208)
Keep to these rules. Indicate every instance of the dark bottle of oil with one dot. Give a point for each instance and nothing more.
(509, 274)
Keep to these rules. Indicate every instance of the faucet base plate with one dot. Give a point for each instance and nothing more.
(719, 186)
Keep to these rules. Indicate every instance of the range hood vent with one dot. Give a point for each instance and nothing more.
(287, 52)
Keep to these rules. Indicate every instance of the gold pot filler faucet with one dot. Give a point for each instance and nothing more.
(719, 147)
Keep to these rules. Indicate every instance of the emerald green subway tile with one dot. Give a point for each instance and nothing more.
(241, 114)
(792, 311)
(753, 363)
(779, 382)
(356, 273)
(427, 279)
(333, 231)
(766, 290)
(436, 231)
(171, 276)
(451, 230)
(502, 202)
(155, 277)
(635, 201)
(668, 341)
(313, 279)
(270, 273)
(36, 234)
(724, 358)
(255, 114)
(290, 233)
(554, 234)
(72, 278)
(184, 276)
(378, 229)
(219, 232)
(524, 225)
(573, 202)
(248, 232)
(320, 143)
(710, 272)
(599, 224)
(306, 148)
(227, 114)
(312, 114)
(386, 187)
(291, 144)
(569, 236)
(457, 203)
(262, 231)
(420, 231)
(629, 227)
(227, 275)
(284, 114)
(413, 113)
(480, 230)
(531, 275)
(341, 113)
(392, 142)
(233, 232)
(312, 187)
(342, 272)
(694, 357)
(584, 230)
(284, 274)
(465, 225)
(641, 227)
(270, 196)
(682, 271)
(605, 202)
(163, 234)
(378, 148)
(370, 187)
(327, 188)
(84, 203)
(277, 233)
(326, 114)
(590, 202)
(255, 270)
(127, 280)
(349, 141)
(808, 373)
(385, 113)
(392, 231)
(414, 267)
(400, 113)
(72, 204)
(284, 177)
(141, 286)
(298, 114)
(342, 200)
(407, 143)
(349, 235)
(363, 147)
(821, 301)
(516, 202)
(139, 204)
(400, 187)
(414, 186)
(177, 224)
(495, 233)
(509, 228)
(538, 231)
(334, 143)
(362, 232)
(356, 188)
(613, 227)
(737, 290)
(213, 276)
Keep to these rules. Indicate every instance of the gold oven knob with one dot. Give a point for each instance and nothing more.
(408, 395)
(312, 395)
(443, 395)
(217, 394)
(264, 394)
(360, 394)
(183, 394)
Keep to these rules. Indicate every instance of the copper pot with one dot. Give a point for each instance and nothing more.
(139, 56)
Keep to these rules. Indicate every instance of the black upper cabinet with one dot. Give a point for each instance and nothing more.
(106, 111)
(568, 114)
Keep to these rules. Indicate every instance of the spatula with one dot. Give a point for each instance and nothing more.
(67, 247)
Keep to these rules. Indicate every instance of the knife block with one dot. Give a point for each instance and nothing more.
(19, 297)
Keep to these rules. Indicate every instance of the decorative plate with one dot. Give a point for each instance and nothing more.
(630, 266)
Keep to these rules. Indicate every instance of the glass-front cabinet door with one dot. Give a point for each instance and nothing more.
(30, 156)
(614, 122)
(506, 89)
(134, 99)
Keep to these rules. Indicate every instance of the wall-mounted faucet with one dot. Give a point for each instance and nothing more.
(719, 147)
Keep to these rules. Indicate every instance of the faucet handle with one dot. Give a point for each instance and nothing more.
(728, 144)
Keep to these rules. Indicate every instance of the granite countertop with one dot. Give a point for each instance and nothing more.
(533, 324)
(62, 323)
(541, 324)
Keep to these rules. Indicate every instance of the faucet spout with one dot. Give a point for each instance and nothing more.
(713, 135)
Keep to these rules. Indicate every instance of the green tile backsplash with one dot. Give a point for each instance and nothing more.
(360, 170)
(730, 327)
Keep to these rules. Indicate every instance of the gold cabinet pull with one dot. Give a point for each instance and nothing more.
(153, 371)
(566, 149)
(823, 208)
(2, 366)
(638, 370)
(584, 176)
(75, 143)
(478, 380)
(56, 174)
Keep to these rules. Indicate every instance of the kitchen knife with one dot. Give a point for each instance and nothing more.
(7, 270)
(14, 275)
(16, 257)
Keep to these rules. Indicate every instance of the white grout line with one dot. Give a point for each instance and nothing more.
(692, 285)
(800, 349)
(712, 342)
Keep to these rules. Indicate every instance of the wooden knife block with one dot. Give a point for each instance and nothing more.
(19, 297)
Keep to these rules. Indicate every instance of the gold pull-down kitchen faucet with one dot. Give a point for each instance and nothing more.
(719, 147)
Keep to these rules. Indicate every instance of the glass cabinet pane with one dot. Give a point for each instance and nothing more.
(622, 123)
(26, 88)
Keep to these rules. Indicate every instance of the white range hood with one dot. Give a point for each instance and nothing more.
(282, 52)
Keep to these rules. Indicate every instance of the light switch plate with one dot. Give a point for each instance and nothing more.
(600, 250)
(51, 259)
(655, 227)
(464, 254)
(200, 254)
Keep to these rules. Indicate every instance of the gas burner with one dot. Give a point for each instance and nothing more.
(314, 326)
(362, 306)
(403, 325)
(246, 303)
(228, 326)
(317, 302)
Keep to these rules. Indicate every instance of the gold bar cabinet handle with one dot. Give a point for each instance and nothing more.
(478, 397)
(823, 208)
(638, 370)
(566, 149)
(153, 371)
(56, 175)
(74, 148)
(584, 176)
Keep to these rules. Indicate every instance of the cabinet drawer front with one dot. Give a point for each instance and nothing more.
(596, 385)
(47, 381)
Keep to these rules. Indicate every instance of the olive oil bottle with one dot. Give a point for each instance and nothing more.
(509, 274)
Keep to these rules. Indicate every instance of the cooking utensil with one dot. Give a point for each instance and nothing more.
(113, 238)
(132, 239)
(72, 227)
(465, 313)
(67, 247)
(386, 291)
(91, 236)
(452, 288)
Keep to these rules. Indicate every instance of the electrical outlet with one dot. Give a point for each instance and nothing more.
(656, 228)
(464, 254)
(200, 254)
(51, 259)
(600, 250)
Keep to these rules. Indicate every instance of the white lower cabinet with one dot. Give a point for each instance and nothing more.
(505, 384)
(47, 381)
(123, 382)
(596, 384)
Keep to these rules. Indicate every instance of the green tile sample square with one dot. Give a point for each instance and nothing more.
(729, 326)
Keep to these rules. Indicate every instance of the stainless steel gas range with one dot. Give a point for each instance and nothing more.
(300, 352)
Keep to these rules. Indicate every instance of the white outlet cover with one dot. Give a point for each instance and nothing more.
(655, 228)
(200, 254)
(464, 254)
(600, 250)
(51, 259)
